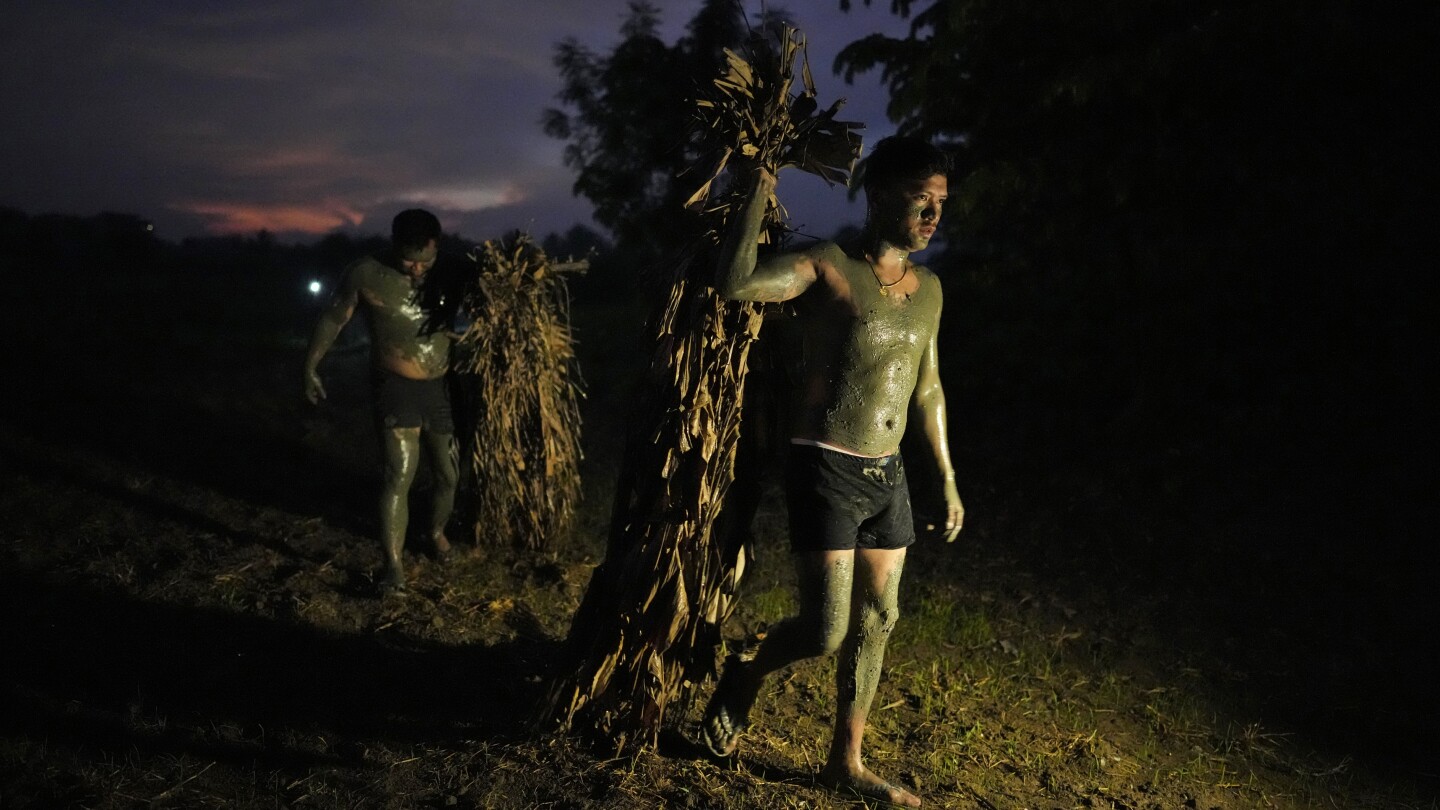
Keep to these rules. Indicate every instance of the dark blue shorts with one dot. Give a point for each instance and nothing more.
(404, 403)
(838, 501)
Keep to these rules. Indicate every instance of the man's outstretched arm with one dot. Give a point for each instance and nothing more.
(929, 402)
(333, 319)
(741, 275)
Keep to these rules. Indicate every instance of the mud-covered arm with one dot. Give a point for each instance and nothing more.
(332, 319)
(929, 402)
(740, 275)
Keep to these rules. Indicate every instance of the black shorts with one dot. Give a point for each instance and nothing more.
(838, 501)
(404, 403)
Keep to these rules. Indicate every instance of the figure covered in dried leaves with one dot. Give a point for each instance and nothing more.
(409, 357)
(647, 629)
(516, 369)
(866, 355)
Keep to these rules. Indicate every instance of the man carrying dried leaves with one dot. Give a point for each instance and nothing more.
(868, 318)
(409, 357)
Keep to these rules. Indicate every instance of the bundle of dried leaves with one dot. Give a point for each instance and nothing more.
(647, 631)
(516, 362)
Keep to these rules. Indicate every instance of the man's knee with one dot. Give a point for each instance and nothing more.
(400, 458)
(397, 477)
(447, 461)
(878, 621)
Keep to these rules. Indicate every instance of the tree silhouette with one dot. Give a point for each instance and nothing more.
(1190, 241)
(628, 122)
(1171, 200)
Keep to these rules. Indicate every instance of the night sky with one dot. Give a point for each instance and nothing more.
(304, 118)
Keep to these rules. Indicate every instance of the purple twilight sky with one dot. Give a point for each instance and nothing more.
(212, 117)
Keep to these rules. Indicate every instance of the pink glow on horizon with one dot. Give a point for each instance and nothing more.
(223, 219)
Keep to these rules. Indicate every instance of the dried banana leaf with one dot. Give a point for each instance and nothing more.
(646, 633)
(515, 362)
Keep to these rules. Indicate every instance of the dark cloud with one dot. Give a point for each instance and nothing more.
(303, 117)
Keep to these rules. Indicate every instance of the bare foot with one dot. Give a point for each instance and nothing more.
(443, 550)
(728, 714)
(722, 730)
(865, 784)
(394, 582)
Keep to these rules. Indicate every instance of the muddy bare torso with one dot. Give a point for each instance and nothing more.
(399, 340)
(859, 352)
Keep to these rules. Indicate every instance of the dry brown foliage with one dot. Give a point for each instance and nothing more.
(647, 630)
(517, 361)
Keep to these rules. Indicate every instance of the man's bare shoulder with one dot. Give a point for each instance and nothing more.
(371, 274)
(829, 252)
(925, 273)
(929, 295)
(366, 265)
(833, 260)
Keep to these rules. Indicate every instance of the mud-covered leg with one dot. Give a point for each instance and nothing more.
(444, 454)
(400, 459)
(818, 629)
(876, 608)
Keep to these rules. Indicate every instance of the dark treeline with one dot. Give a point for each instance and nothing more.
(1188, 263)
(111, 241)
(1186, 329)
(254, 281)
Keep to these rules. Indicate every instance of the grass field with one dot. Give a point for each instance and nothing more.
(191, 618)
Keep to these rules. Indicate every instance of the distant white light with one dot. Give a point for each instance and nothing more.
(316, 287)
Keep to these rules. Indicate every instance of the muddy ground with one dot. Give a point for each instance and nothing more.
(191, 620)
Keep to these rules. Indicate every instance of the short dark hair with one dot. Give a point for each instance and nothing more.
(414, 228)
(902, 159)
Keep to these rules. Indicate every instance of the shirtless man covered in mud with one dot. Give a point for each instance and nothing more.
(408, 363)
(867, 322)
